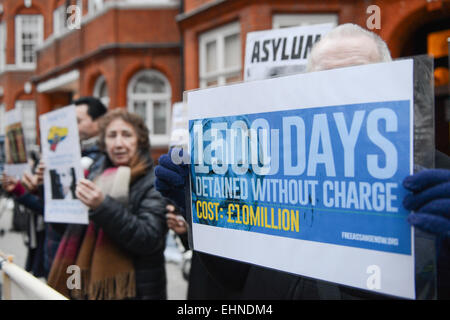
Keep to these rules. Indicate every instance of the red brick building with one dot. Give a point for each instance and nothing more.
(126, 52)
(214, 32)
(142, 54)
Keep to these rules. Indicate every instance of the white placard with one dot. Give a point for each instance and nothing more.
(61, 154)
(179, 131)
(356, 128)
(16, 162)
(280, 51)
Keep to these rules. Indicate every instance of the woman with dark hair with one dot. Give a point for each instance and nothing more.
(121, 254)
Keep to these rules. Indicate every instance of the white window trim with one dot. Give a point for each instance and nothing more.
(155, 139)
(57, 28)
(302, 19)
(18, 44)
(80, 5)
(56, 83)
(95, 6)
(219, 36)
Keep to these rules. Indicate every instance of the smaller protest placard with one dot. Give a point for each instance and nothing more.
(61, 153)
(280, 51)
(15, 150)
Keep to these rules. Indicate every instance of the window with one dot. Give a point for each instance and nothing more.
(94, 6)
(28, 112)
(292, 20)
(80, 5)
(59, 20)
(149, 95)
(101, 90)
(2, 46)
(29, 35)
(220, 56)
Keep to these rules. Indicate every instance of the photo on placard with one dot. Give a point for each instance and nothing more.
(15, 144)
(63, 183)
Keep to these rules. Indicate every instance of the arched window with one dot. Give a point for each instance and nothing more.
(149, 95)
(101, 90)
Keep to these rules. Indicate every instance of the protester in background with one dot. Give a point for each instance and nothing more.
(346, 45)
(26, 193)
(121, 252)
(89, 111)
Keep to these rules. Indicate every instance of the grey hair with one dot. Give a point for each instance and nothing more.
(350, 30)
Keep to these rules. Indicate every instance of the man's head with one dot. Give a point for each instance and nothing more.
(89, 110)
(347, 45)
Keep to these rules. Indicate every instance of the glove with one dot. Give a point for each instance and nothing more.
(171, 179)
(430, 200)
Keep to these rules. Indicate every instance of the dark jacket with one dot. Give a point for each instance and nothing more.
(140, 229)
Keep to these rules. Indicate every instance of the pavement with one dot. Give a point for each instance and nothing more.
(12, 243)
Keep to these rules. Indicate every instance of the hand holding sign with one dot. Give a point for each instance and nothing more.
(89, 193)
(430, 200)
(171, 178)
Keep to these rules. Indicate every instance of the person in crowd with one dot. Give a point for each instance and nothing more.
(28, 191)
(25, 193)
(346, 45)
(89, 111)
(121, 252)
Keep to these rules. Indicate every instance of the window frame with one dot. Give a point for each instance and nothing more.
(18, 34)
(59, 15)
(218, 35)
(150, 99)
(95, 6)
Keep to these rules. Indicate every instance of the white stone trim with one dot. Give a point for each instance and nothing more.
(57, 82)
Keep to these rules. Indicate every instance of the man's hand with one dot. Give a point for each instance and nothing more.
(39, 174)
(32, 181)
(430, 200)
(171, 179)
(89, 193)
(175, 221)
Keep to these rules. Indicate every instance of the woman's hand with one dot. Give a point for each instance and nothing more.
(9, 183)
(89, 193)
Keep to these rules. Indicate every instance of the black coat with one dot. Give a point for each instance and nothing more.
(140, 229)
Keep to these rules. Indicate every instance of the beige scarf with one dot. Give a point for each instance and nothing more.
(107, 272)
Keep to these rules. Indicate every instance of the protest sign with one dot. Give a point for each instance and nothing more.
(303, 174)
(280, 51)
(15, 150)
(61, 154)
(179, 130)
